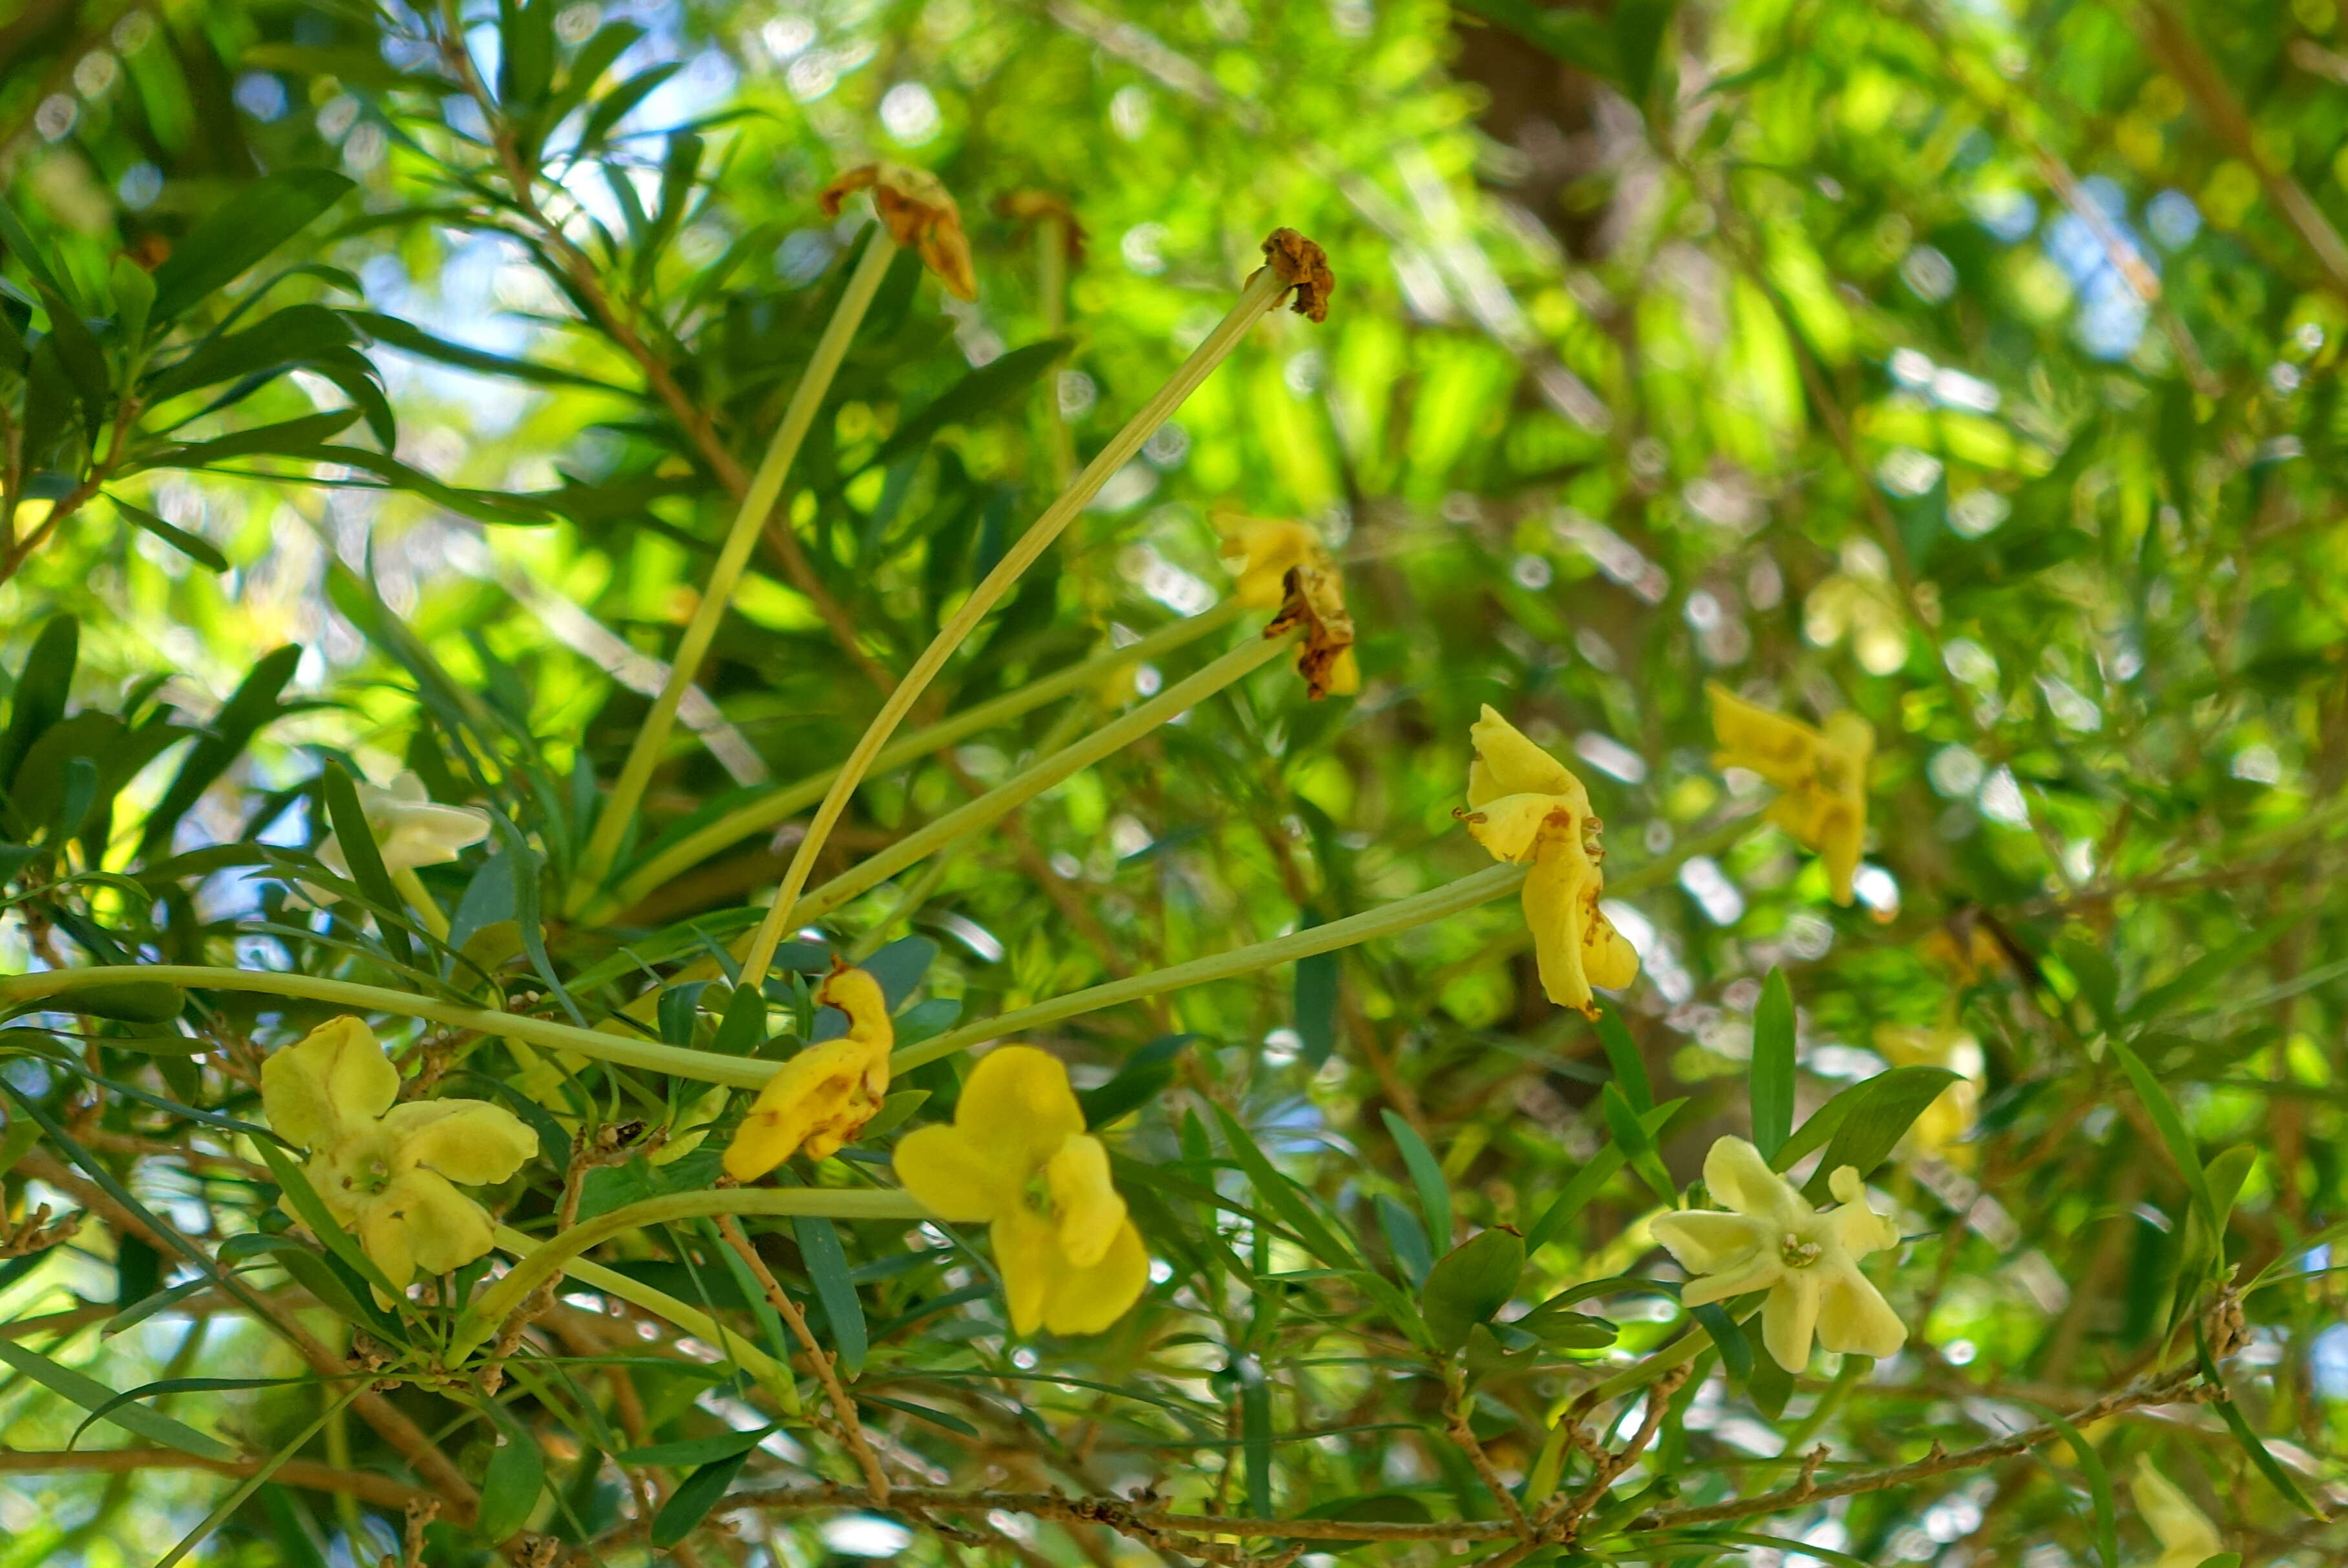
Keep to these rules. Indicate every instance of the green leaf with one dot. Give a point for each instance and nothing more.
(1638, 1145)
(287, 437)
(201, 550)
(1286, 1199)
(1771, 1082)
(139, 1312)
(1641, 28)
(1576, 37)
(2251, 1444)
(515, 1476)
(355, 838)
(41, 690)
(1426, 1174)
(1255, 1434)
(827, 1265)
(252, 705)
(321, 1221)
(1623, 1055)
(2099, 1487)
(1590, 1180)
(1880, 1112)
(409, 338)
(614, 106)
(689, 1452)
(985, 390)
(2165, 1118)
(250, 224)
(1406, 1239)
(167, 1385)
(92, 1394)
(1142, 1079)
(1727, 1338)
(695, 1496)
(298, 335)
(1470, 1283)
(1314, 1000)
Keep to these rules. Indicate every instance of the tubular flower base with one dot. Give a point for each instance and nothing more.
(1283, 564)
(2187, 1538)
(822, 1097)
(386, 1169)
(1805, 1258)
(1524, 808)
(918, 214)
(1018, 1158)
(1821, 776)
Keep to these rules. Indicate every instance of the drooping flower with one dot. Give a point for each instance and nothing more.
(1017, 1156)
(1820, 775)
(822, 1097)
(1525, 807)
(919, 214)
(390, 1169)
(1279, 563)
(1041, 207)
(2187, 1537)
(1940, 1130)
(1805, 1258)
(410, 828)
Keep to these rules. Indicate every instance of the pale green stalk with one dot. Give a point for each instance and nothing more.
(1021, 787)
(776, 1377)
(1384, 921)
(419, 898)
(708, 1066)
(769, 809)
(1263, 291)
(757, 503)
(550, 1257)
(252, 1483)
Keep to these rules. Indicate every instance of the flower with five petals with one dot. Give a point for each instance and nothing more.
(918, 212)
(2187, 1537)
(1524, 806)
(1282, 564)
(1805, 1258)
(1018, 1158)
(390, 1169)
(822, 1097)
(1820, 775)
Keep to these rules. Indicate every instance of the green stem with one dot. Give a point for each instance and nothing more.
(1384, 921)
(1261, 293)
(741, 1072)
(1009, 796)
(419, 898)
(757, 502)
(552, 1257)
(252, 1483)
(776, 1377)
(769, 809)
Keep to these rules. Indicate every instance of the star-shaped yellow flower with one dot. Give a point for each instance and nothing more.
(918, 214)
(1524, 806)
(2187, 1537)
(390, 1169)
(1821, 776)
(1805, 1258)
(1280, 564)
(822, 1097)
(1018, 1158)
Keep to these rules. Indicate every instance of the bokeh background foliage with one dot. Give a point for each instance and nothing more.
(378, 383)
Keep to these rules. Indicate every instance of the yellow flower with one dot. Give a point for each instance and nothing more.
(822, 1097)
(1283, 564)
(1805, 1258)
(1524, 806)
(2187, 1537)
(918, 214)
(1941, 1129)
(1821, 776)
(384, 1169)
(1017, 1156)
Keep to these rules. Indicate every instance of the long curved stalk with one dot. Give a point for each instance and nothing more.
(1261, 293)
(791, 798)
(552, 1257)
(773, 1375)
(741, 1072)
(757, 501)
(1014, 793)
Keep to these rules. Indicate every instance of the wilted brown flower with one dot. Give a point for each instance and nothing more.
(919, 215)
(1304, 267)
(1035, 206)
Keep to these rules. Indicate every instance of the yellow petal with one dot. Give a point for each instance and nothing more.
(1789, 1319)
(1027, 1255)
(1262, 551)
(2186, 1533)
(384, 1235)
(858, 996)
(468, 1141)
(1783, 750)
(1734, 1172)
(328, 1084)
(1086, 1205)
(1575, 944)
(1344, 674)
(959, 1175)
(1708, 1243)
(1017, 1102)
(1509, 764)
(820, 1098)
(1088, 1299)
(1854, 1319)
(1510, 827)
(421, 1217)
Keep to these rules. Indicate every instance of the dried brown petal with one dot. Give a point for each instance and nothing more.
(918, 212)
(1034, 206)
(1304, 266)
(1316, 600)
